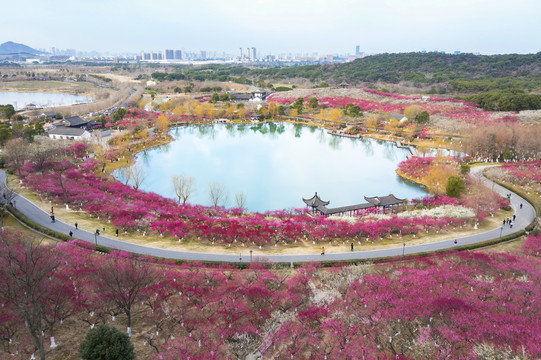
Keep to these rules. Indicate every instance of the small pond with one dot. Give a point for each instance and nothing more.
(276, 164)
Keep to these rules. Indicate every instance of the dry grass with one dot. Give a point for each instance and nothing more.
(119, 78)
(61, 87)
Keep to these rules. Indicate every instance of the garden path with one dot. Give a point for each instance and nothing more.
(524, 217)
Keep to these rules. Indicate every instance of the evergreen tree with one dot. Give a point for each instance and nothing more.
(106, 343)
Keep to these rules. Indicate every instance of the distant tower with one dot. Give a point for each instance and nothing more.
(254, 56)
(248, 53)
(178, 54)
(357, 50)
(168, 54)
(240, 54)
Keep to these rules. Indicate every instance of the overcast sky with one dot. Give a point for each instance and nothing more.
(276, 26)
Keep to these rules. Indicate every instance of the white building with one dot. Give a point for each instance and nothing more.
(69, 133)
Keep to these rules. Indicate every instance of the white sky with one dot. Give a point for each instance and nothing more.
(276, 26)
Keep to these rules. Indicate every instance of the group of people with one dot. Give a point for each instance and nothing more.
(53, 219)
(509, 221)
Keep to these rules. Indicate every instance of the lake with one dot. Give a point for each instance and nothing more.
(276, 164)
(20, 100)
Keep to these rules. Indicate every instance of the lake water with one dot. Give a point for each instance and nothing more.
(276, 165)
(20, 100)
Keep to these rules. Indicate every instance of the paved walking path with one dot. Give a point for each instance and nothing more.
(524, 217)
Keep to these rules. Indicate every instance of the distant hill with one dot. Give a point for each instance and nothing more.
(13, 48)
(432, 68)
(463, 73)
(433, 73)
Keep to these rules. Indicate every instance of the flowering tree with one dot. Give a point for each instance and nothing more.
(123, 281)
(32, 288)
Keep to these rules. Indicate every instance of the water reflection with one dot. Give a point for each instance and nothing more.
(298, 130)
(276, 164)
(334, 142)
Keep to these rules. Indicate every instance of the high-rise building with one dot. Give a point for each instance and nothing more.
(357, 50)
(178, 54)
(254, 56)
(240, 54)
(168, 54)
(203, 54)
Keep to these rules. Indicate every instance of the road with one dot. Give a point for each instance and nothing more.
(524, 217)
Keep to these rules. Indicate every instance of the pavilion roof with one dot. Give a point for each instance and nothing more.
(315, 201)
(384, 200)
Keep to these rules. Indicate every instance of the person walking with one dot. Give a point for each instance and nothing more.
(351, 246)
(71, 233)
(52, 210)
(76, 225)
(52, 218)
(116, 232)
(521, 205)
(323, 250)
(514, 217)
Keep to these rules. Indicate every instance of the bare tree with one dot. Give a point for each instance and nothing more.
(16, 153)
(240, 199)
(123, 173)
(42, 152)
(184, 187)
(136, 175)
(217, 194)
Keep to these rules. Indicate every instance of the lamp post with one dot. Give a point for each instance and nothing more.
(403, 249)
(250, 256)
(240, 261)
(96, 238)
(501, 230)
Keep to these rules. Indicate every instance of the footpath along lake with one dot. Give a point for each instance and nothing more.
(275, 165)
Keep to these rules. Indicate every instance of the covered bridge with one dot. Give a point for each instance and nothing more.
(320, 206)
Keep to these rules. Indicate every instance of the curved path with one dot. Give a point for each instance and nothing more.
(524, 217)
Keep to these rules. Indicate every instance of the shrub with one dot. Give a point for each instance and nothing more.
(422, 118)
(106, 343)
(455, 186)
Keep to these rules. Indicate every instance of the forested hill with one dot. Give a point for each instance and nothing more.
(436, 67)
(463, 73)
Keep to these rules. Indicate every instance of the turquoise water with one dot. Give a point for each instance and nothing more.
(276, 164)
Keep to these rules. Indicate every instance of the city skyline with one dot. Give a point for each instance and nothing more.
(300, 26)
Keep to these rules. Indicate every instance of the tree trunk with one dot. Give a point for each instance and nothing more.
(128, 314)
(62, 187)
